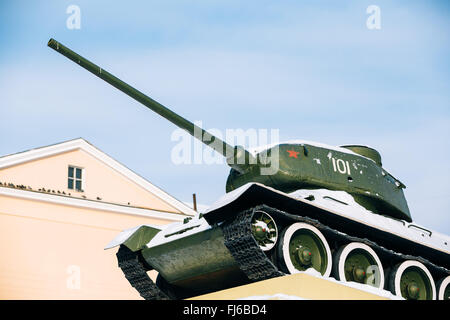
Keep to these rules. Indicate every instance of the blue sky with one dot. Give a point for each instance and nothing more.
(311, 69)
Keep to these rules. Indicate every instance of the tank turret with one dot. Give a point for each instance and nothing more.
(298, 165)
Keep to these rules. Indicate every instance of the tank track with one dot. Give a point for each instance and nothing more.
(258, 266)
(136, 274)
(245, 250)
(254, 262)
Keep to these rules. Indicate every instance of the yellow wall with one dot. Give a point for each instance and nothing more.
(47, 250)
(100, 180)
(293, 286)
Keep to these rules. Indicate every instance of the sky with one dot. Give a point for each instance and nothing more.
(313, 70)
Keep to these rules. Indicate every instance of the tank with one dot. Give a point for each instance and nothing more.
(330, 210)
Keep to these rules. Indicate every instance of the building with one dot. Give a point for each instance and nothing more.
(59, 206)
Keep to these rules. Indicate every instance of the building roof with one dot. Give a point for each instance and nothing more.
(80, 143)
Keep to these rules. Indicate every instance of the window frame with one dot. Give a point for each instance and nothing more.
(75, 179)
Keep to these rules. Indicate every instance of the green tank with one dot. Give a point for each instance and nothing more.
(291, 207)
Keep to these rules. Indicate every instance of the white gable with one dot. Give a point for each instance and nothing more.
(81, 144)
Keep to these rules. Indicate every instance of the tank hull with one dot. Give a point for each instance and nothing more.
(344, 216)
(217, 251)
(199, 262)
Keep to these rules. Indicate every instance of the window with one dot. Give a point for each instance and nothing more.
(75, 178)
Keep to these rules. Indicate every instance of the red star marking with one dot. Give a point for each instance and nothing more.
(293, 154)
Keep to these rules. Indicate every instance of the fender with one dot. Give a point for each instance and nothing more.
(135, 238)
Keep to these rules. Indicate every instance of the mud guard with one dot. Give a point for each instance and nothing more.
(135, 238)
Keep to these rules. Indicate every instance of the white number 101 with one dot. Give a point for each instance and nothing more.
(341, 166)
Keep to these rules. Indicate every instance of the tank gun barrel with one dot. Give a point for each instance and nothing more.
(233, 154)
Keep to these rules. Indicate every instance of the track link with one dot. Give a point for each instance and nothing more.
(137, 276)
(246, 251)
